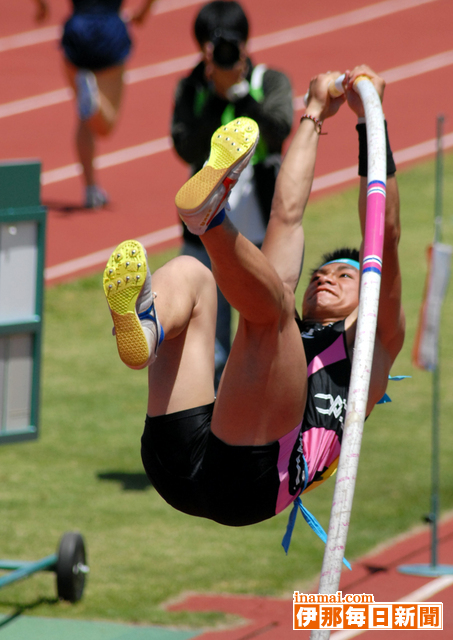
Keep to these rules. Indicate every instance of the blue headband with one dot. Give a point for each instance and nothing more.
(351, 263)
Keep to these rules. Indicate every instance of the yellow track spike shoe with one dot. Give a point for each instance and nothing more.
(127, 287)
(201, 201)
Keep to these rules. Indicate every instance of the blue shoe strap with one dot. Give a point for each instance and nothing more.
(309, 519)
(217, 219)
(150, 314)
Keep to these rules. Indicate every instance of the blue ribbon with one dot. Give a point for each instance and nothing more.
(308, 517)
(312, 523)
(385, 398)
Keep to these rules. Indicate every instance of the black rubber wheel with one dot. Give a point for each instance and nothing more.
(71, 567)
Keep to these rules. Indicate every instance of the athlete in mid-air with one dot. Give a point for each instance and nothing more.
(275, 427)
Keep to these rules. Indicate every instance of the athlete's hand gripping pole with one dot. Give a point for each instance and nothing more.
(364, 345)
(335, 88)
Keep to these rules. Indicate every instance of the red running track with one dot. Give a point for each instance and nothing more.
(408, 40)
(377, 574)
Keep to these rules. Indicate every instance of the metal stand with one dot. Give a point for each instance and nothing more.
(22, 243)
(434, 569)
(69, 565)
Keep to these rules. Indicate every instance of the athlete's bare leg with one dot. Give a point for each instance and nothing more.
(101, 123)
(263, 389)
(182, 376)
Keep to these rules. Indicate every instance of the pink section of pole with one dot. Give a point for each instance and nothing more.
(374, 232)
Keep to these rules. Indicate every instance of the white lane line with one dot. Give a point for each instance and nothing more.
(333, 179)
(286, 36)
(164, 144)
(29, 38)
(318, 27)
(412, 69)
(100, 257)
(164, 6)
(416, 152)
(403, 72)
(35, 102)
(419, 595)
(132, 76)
(334, 23)
(115, 158)
(259, 43)
(53, 32)
(159, 69)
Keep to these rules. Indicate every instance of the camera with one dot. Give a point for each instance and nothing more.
(226, 47)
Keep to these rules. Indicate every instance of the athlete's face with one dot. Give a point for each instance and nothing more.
(332, 294)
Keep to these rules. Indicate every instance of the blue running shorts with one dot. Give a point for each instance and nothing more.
(96, 41)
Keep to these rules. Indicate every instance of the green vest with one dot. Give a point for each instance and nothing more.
(256, 91)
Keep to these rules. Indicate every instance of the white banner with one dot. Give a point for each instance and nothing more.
(426, 346)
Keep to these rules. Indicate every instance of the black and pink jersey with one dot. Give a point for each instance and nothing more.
(308, 455)
(329, 373)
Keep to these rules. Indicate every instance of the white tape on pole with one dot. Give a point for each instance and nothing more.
(335, 89)
(363, 347)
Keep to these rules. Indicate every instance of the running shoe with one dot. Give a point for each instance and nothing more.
(87, 94)
(95, 197)
(201, 201)
(127, 287)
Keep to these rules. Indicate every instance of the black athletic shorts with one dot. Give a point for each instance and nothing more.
(198, 474)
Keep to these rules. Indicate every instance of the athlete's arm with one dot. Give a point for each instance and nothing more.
(284, 241)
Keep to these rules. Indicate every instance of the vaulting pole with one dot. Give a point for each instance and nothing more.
(364, 344)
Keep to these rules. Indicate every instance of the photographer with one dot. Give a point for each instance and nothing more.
(225, 85)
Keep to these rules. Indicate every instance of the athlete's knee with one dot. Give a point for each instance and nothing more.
(100, 125)
(278, 313)
(105, 129)
(192, 267)
(193, 276)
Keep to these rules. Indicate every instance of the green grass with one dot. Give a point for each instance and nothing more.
(84, 473)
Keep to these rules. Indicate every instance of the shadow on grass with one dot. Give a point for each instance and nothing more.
(20, 608)
(129, 481)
